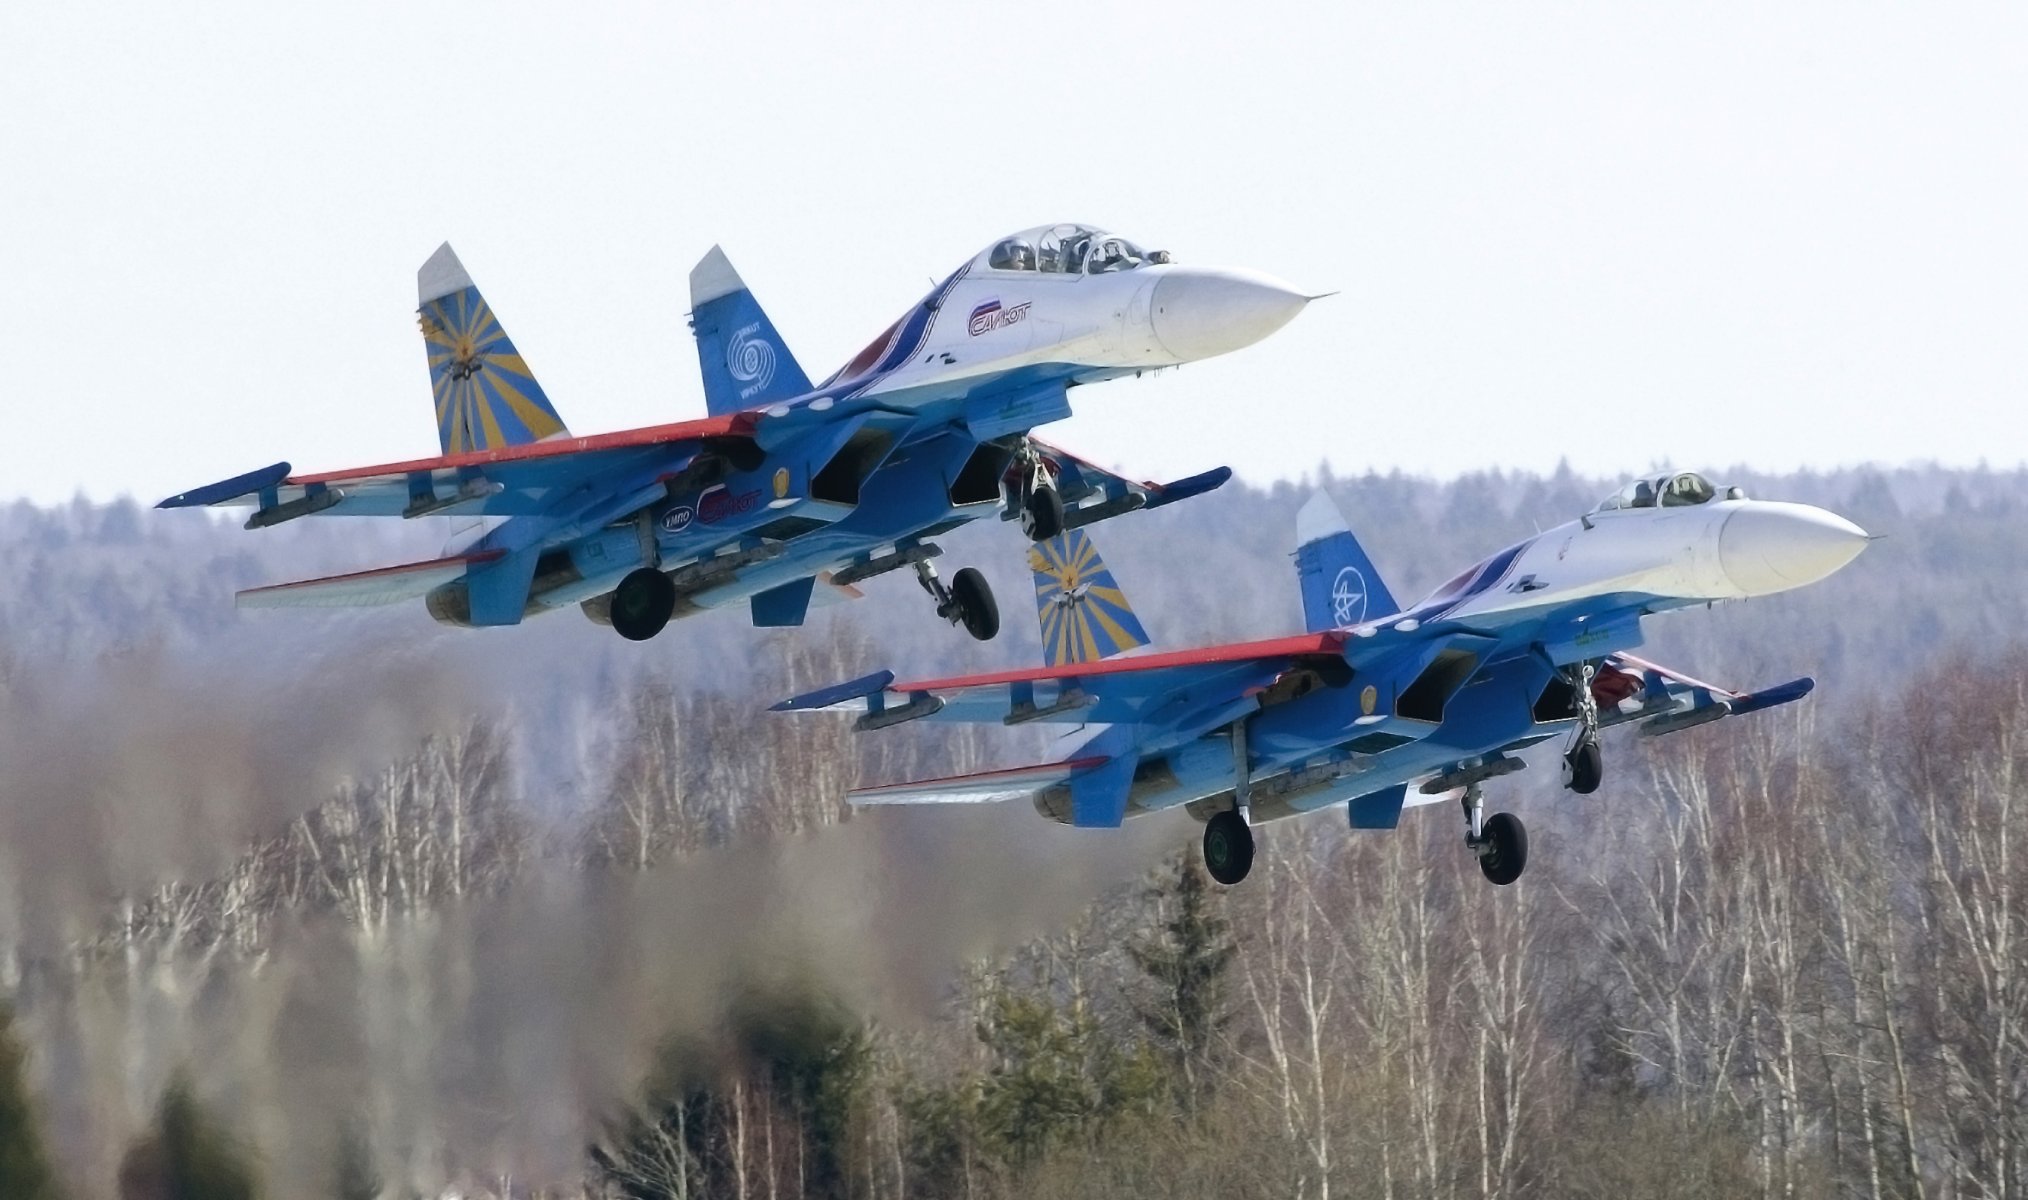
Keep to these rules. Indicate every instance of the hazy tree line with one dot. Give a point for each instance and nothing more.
(592, 925)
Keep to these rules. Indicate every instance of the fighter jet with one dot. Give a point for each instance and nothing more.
(1377, 706)
(786, 484)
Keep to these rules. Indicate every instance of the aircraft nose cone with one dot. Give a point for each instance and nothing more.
(1768, 546)
(1199, 312)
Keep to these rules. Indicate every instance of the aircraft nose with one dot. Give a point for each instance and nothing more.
(1198, 312)
(1768, 546)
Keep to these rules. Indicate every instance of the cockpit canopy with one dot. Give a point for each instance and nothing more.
(1676, 489)
(1067, 250)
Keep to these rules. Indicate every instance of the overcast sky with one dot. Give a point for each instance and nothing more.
(1772, 234)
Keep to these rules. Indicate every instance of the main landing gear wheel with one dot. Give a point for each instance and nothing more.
(973, 599)
(1499, 840)
(968, 601)
(1583, 767)
(1228, 847)
(643, 604)
(1503, 848)
(1042, 514)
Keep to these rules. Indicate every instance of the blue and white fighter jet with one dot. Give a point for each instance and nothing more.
(1378, 706)
(787, 484)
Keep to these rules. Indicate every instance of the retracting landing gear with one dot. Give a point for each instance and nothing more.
(1500, 841)
(1583, 762)
(968, 601)
(1035, 497)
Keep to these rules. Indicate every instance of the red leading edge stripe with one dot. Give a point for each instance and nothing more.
(1328, 642)
(738, 424)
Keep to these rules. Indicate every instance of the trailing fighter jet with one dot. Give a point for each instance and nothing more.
(1378, 706)
(786, 484)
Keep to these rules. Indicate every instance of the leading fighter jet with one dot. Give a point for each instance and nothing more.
(1376, 706)
(786, 484)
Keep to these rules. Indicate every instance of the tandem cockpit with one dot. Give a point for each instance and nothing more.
(1675, 489)
(1067, 250)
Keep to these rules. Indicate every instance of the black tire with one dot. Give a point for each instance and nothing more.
(1228, 847)
(643, 604)
(976, 609)
(1584, 768)
(1042, 514)
(1506, 855)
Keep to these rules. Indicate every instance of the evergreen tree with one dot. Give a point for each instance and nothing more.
(1186, 962)
(186, 1156)
(24, 1171)
(358, 1177)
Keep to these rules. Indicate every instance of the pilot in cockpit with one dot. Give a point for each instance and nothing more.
(1012, 255)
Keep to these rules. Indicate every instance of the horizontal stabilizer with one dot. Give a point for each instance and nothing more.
(1781, 693)
(1194, 485)
(364, 589)
(855, 689)
(982, 787)
(225, 490)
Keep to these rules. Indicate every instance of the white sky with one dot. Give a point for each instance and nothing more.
(1774, 234)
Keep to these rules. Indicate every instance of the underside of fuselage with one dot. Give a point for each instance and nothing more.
(1330, 743)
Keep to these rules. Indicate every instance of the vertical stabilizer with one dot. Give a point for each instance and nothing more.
(1340, 584)
(485, 395)
(744, 360)
(1084, 614)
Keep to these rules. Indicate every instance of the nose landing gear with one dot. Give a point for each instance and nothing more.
(1583, 762)
(1032, 492)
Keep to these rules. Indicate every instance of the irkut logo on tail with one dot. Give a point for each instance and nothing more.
(990, 316)
(750, 358)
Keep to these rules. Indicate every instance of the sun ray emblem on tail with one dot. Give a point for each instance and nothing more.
(485, 395)
(1084, 614)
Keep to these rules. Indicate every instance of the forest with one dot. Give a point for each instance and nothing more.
(344, 904)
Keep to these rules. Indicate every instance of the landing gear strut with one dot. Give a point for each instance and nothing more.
(968, 601)
(1500, 841)
(1039, 503)
(643, 604)
(1583, 762)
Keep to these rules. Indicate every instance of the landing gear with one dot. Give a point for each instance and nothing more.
(968, 601)
(1583, 762)
(1583, 767)
(1500, 841)
(1042, 514)
(1035, 495)
(1228, 847)
(643, 604)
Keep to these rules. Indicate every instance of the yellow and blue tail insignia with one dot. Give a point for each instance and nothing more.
(1084, 614)
(486, 397)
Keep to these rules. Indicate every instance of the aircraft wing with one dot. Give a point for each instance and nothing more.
(1107, 691)
(1667, 701)
(515, 480)
(1091, 493)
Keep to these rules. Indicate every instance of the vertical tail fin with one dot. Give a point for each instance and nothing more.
(1084, 614)
(1340, 584)
(744, 360)
(486, 397)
